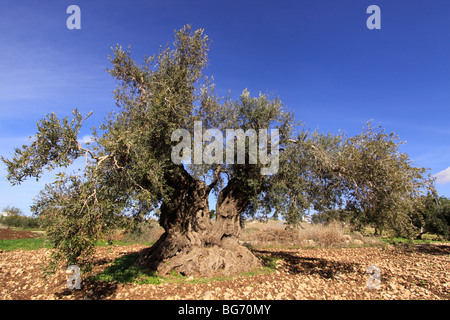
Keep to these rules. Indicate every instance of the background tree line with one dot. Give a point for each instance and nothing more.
(14, 217)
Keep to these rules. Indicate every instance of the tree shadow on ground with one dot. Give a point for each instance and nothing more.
(104, 284)
(308, 265)
(90, 290)
(433, 249)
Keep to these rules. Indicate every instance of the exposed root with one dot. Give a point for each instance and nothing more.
(172, 254)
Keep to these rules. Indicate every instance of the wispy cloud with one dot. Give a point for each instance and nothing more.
(30, 75)
(443, 177)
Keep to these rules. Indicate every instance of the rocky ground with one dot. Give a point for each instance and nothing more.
(8, 233)
(419, 272)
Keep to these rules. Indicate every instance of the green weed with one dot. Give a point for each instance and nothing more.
(123, 270)
(23, 244)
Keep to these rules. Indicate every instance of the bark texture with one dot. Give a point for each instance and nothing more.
(192, 244)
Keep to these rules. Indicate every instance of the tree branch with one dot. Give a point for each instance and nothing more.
(216, 178)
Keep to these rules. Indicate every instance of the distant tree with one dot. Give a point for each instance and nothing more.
(328, 216)
(12, 211)
(14, 217)
(433, 217)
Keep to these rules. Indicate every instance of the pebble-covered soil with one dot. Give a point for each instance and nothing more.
(418, 272)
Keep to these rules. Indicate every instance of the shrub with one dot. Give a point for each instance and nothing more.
(323, 234)
(20, 222)
(317, 234)
(145, 231)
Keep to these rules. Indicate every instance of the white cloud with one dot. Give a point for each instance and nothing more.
(85, 139)
(443, 177)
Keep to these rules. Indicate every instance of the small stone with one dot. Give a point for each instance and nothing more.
(279, 296)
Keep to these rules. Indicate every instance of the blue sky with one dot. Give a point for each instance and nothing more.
(317, 56)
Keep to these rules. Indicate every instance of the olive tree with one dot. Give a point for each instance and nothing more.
(130, 168)
(378, 184)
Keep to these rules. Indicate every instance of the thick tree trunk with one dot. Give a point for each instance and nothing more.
(191, 243)
(230, 204)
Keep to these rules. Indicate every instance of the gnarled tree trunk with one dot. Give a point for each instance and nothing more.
(230, 204)
(191, 243)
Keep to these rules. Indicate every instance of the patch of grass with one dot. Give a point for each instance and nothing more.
(123, 270)
(270, 262)
(23, 244)
(400, 240)
(40, 243)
